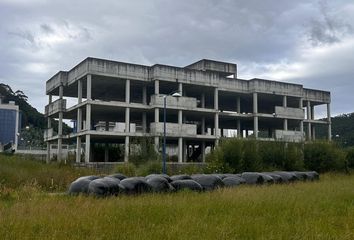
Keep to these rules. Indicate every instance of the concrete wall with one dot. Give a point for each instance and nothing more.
(287, 112)
(173, 129)
(289, 136)
(180, 102)
(54, 107)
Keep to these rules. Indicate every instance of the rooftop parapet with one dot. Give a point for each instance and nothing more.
(223, 68)
(61, 78)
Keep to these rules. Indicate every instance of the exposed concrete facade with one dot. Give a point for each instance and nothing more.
(118, 102)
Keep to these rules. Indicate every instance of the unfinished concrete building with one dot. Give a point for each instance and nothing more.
(116, 102)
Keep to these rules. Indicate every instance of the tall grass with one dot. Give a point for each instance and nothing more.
(309, 210)
(16, 172)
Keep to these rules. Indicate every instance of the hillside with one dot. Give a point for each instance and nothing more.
(342, 129)
(29, 116)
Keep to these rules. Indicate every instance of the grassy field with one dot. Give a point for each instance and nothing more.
(309, 210)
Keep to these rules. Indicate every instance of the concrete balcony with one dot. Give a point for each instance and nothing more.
(287, 112)
(58, 79)
(173, 102)
(173, 129)
(55, 107)
(48, 133)
(289, 136)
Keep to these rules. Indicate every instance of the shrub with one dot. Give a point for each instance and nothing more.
(149, 168)
(323, 156)
(251, 160)
(127, 169)
(142, 151)
(350, 157)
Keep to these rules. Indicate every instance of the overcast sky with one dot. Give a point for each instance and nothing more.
(302, 41)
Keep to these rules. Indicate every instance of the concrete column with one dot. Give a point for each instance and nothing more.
(301, 121)
(203, 126)
(49, 125)
(202, 100)
(127, 120)
(78, 149)
(313, 112)
(180, 150)
(144, 113)
(126, 149)
(157, 91)
(106, 153)
(89, 87)
(79, 120)
(308, 108)
(239, 120)
(203, 151)
(216, 116)
(79, 91)
(255, 118)
(87, 148)
(60, 127)
(285, 103)
(329, 122)
(127, 91)
(88, 117)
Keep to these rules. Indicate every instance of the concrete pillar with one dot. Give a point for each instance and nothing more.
(202, 100)
(60, 127)
(87, 148)
(203, 151)
(216, 116)
(127, 120)
(106, 152)
(329, 121)
(180, 150)
(313, 112)
(301, 121)
(126, 149)
(238, 109)
(203, 126)
(157, 117)
(285, 103)
(78, 149)
(79, 120)
(308, 108)
(89, 87)
(255, 118)
(49, 125)
(79, 91)
(88, 117)
(144, 113)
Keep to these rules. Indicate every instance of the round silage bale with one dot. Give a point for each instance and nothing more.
(187, 184)
(159, 184)
(207, 181)
(135, 185)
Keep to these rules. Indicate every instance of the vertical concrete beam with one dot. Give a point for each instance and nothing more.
(49, 125)
(203, 126)
(203, 151)
(313, 112)
(89, 87)
(78, 149)
(87, 148)
(285, 103)
(79, 120)
(301, 121)
(202, 100)
(126, 149)
(180, 150)
(127, 121)
(216, 116)
(157, 117)
(255, 112)
(329, 121)
(144, 113)
(60, 126)
(308, 108)
(239, 134)
(79, 91)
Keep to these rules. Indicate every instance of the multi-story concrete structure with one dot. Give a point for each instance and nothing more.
(9, 125)
(116, 102)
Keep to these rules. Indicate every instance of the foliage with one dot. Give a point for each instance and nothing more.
(323, 156)
(238, 155)
(142, 150)
(350, 157)
(127, 169)
(149, 167)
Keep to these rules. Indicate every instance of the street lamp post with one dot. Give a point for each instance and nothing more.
(176, 95)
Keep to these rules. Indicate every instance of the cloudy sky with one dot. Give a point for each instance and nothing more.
(302, 41)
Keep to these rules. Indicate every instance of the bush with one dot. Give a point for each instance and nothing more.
(142, 151)
(127, 169)
(350, 157)
(323, 156)
(150, 168)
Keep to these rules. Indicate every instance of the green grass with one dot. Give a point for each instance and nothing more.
(308, 210)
